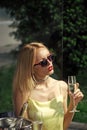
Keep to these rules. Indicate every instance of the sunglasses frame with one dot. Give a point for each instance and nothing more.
(44, 62)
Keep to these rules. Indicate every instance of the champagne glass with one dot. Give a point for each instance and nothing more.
(71, 84)
(37, 123)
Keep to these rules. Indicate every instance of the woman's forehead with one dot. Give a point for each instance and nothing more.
(42, 53)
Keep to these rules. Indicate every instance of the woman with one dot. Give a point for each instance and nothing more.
(32, 83)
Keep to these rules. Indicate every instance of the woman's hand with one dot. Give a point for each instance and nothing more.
(78, 95)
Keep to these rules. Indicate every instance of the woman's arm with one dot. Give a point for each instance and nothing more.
(68, 116)
(77, 97)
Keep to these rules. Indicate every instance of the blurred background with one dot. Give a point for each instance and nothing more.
(61, 25)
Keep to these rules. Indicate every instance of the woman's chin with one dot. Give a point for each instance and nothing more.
(51, 72)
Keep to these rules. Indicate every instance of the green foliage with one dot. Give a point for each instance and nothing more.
(33, 16)
(61, 24)
(82, 116)
(75, 36)
(6, 75)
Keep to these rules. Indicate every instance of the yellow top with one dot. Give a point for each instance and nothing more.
(50, 112)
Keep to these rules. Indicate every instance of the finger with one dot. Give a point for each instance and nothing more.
(77, 91)
(78, 94)
(79, 98)
(76, 86)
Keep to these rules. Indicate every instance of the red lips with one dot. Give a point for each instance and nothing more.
(50, 68)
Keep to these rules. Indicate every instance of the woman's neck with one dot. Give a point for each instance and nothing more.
(40, 80)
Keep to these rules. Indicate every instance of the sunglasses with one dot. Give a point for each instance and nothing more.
(44, 62)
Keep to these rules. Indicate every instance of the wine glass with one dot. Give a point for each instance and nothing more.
(37, 123)
(71, 84)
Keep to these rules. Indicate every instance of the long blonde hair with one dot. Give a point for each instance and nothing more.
(23, 80)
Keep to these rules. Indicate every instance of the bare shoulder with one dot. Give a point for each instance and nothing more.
(64, 87)
(60, 83)
(63, 84)
(59, 87)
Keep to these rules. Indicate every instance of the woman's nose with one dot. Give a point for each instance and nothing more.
(49, 62)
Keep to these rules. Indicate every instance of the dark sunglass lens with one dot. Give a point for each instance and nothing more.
(44, 63)
(51, 57)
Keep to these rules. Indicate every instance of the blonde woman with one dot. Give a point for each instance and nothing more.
(32, 83)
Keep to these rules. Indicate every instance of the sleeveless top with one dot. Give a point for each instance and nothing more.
(52, 113)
